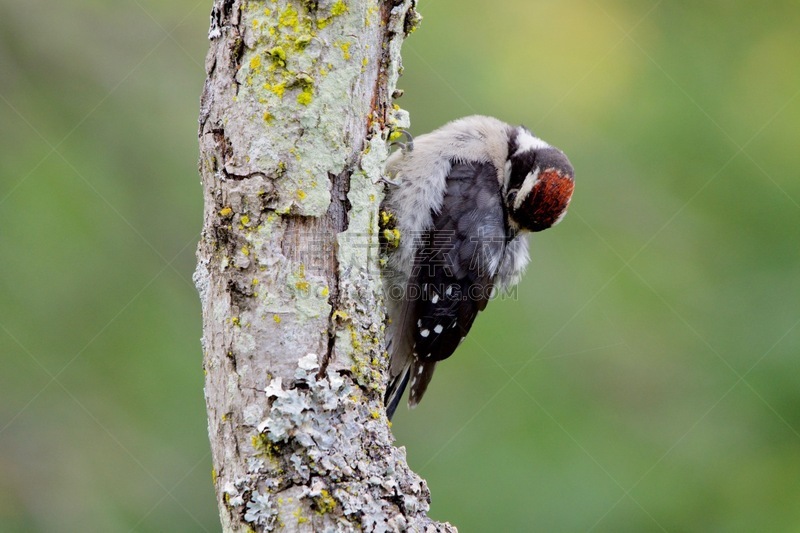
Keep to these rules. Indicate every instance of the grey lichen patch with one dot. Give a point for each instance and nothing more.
(260, 511)
(359, 341)
(400, 119)
(332, 456)
(358, 247)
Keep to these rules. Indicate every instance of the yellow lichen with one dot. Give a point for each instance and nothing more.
(302, 286)
(325, 502)
(301, 195)
(325, 292)
(392, 237)
(263, 446)
(345, 47)
(236, 321)
(255, 281)
(304, 80)
(300, 519)
(339, 8)
(305, 97)
(288, 17)
(354, 340)
(278, 88)
(268, 116)
(245, 220)
(255, 63)
(245, 250)
(371, 10)
(386, 217)
(225, 212)
(278, 55)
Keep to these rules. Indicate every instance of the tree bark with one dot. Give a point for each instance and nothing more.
(294, 119)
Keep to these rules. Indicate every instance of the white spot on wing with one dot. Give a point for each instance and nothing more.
(424, 332)
(438, 328)
(435, 298)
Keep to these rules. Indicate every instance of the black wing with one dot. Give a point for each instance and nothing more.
(453, 272)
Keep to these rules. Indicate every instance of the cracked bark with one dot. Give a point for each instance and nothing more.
(294, 118)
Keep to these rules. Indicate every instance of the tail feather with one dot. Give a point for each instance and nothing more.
(394, 391)
(404, 367)
(421, 374)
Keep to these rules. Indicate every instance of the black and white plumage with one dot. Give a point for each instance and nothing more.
(463, 197)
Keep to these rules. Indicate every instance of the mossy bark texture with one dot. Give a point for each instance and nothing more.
(295, 116)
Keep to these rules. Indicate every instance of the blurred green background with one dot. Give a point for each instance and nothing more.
(646, 379)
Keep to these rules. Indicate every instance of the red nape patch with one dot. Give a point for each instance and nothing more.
(548, 199)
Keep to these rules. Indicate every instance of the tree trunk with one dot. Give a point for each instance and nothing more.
(294, 119)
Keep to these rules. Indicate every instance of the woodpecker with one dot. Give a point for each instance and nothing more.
(462, 200)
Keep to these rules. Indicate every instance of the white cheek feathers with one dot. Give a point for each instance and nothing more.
(527, 186)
